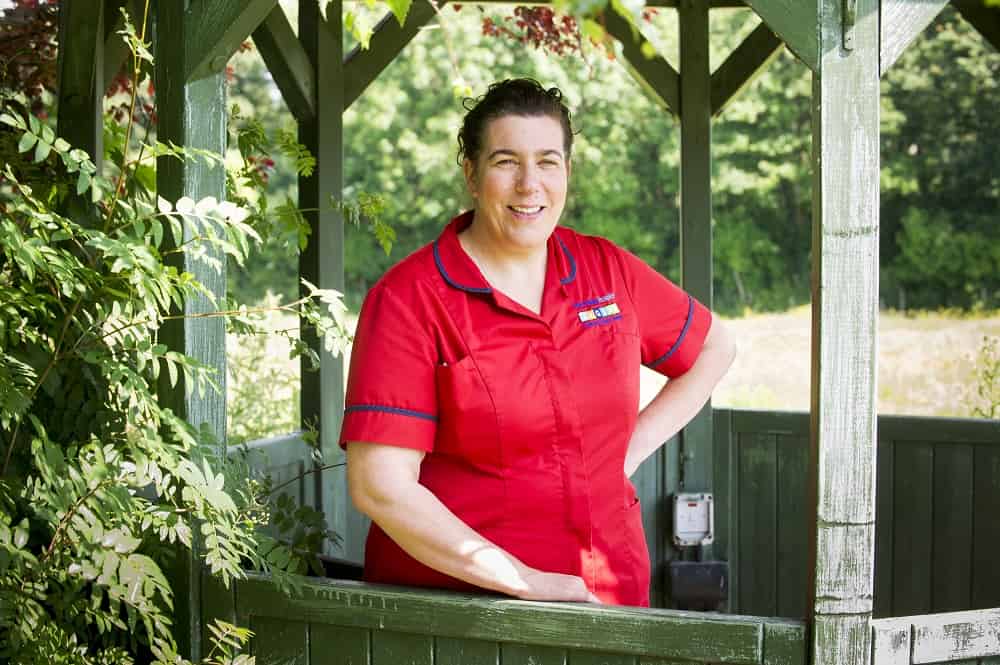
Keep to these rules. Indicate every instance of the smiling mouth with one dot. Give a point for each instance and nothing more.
(527, 210)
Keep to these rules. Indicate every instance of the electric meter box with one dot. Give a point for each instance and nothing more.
(694, 520)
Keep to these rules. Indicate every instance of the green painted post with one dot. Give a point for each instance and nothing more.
(845, 310)
(696, 214)
(81, 73)
(322, 263)
(191, 114)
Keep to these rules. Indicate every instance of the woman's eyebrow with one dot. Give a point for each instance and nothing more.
(542, 153)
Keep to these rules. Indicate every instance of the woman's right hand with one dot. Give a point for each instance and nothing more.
(555, 586)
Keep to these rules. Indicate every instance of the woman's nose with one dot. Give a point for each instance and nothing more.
(527, 179)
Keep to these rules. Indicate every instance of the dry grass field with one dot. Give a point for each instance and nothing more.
(927, 366)
(927, 362)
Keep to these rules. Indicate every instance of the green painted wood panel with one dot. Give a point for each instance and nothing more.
(792, 548)
(894, 431)
(598, 658)
(758, 524)
(217, 602)
(523, 654)
(883, 528)
(784, 644)
(986, 528)
(649, 482)
(726, 492)
(339, 645)
(457, 651)
(912, 528)
(279, 641)
(951, 574)
(795, 22)
(394, 648)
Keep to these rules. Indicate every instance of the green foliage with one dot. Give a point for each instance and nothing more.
(986, 402)
(939, 182)
(101, 486)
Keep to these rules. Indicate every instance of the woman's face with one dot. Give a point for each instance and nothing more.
(519, 182)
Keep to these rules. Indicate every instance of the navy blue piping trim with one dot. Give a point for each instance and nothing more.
(440, 267)
(680, 339)
(391, 409)
(572, 263)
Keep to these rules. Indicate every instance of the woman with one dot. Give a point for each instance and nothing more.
(491, 417)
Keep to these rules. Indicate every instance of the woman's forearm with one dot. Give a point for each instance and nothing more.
(429, 532)
(680, 400)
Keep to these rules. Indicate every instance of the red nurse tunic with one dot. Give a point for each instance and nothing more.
(524, 418)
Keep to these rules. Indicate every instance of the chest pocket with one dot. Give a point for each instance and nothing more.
(468, 427)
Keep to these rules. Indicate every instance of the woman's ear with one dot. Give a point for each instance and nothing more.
(469, 168)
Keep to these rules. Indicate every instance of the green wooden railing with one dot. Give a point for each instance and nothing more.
(938, 525)
(337, 622)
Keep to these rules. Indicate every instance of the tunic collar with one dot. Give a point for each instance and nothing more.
(459, 272)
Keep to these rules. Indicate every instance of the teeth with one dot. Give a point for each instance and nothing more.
(529, 211)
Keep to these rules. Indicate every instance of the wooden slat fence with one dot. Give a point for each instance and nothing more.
(336, 622)
(937, 512)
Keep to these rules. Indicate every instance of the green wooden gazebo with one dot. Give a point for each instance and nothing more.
(795, 494)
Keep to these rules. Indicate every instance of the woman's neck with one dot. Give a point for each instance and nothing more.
(518, 275)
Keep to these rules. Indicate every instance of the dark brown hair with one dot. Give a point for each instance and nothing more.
(523, 97)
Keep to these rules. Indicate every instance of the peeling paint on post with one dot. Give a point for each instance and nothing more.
(845, 309)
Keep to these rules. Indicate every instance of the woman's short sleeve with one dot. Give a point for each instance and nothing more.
(391, 396)
(672, 324)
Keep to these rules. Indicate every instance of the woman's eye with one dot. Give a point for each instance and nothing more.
(548, 163)
(506, 162)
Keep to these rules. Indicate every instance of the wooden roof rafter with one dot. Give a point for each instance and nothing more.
(362, 66)
(653, 73)
(743, 65)
(288, 63)
(215, 29)
(986, 20)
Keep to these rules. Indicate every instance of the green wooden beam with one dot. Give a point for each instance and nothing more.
(664, 634)
(80, 68)
(845, 254)
(191, 114)
(654, 74)
(697, 443)
(659, 4)
(902, 21)
(288, 63)
(986, 20)
(216, 28)
(795, 22)
(743, 66)
(361, 67)
(322, 262)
